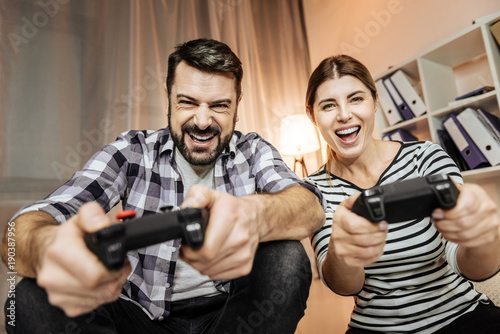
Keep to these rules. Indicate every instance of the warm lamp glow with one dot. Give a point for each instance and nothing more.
(298, 136)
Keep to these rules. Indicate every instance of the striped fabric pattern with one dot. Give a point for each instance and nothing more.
(415, 287)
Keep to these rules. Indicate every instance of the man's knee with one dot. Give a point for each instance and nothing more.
(284, 279)
(26, 303)
(28, 295)
(284, 262)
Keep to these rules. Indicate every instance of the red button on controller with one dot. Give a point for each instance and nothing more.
(125, 214)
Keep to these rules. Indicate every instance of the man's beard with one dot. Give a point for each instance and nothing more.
(191, 155)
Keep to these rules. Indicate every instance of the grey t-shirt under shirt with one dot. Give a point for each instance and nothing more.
(188, 282)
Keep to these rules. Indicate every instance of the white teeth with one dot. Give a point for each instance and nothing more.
(201, 137)
(348, 131)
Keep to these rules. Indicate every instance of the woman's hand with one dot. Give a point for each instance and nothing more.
(355, 240)
(474, 225)
(355, 243)
(473, 222)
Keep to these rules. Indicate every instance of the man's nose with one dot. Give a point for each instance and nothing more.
(203, 117)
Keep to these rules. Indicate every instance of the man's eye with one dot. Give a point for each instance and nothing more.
(186, 104)
(219, 107)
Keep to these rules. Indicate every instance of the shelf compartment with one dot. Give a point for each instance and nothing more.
(487, 101)
(419, 127)
(476, 175)
(455, 67)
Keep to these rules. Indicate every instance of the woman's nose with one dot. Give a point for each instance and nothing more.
(344, 114)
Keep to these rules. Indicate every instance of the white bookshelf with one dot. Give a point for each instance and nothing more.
(464, 62)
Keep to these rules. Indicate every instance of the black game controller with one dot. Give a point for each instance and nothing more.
(112, 243)
(406, 200)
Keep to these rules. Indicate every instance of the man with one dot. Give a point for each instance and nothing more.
(242, 279)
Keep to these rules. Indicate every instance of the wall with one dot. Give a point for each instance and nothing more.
(386, 33)
(383, 33)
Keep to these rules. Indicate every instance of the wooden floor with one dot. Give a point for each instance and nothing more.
(327, 312)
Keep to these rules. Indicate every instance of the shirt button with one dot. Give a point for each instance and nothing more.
(173, 249)
(160, 318)
(167, 285)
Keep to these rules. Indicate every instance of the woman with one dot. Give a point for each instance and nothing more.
(410, 276)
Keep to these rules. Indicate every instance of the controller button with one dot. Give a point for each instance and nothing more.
(195, 232)
(375, 205)
(437, 178)
(445, 193)
(167, 208)
(125, 214)
(373, 192)
(114, 253)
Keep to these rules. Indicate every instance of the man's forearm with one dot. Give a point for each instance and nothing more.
(293, 214)
(33, 232)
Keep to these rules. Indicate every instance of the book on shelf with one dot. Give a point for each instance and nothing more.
(481, 133)
(495, 31)
(407, 88)
(399, 135)
(402, 106)
(466, 146)
(399, 97)
(479, 91)
(491, 121)
(449, 146)
(388, 107)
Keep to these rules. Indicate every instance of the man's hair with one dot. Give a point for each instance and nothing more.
(207, 55)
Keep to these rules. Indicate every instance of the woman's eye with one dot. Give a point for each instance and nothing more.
(328, 106)
(357, 99)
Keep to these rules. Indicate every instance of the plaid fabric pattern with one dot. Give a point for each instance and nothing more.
(138, 169)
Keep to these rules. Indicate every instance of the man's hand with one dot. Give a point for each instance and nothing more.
(231, 237)
(74, 278)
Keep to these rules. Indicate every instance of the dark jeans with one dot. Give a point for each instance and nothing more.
(485, 319)
(271, 299)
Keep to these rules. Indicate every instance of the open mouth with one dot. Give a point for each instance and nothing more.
(348, 134)
(201, 138)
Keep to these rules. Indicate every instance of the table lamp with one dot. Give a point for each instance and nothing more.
(298, 137)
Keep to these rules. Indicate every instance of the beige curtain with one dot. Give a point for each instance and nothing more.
(74, 74)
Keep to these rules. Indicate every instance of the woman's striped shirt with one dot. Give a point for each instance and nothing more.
(415, 286)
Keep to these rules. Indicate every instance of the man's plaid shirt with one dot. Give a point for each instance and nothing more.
(138, 169)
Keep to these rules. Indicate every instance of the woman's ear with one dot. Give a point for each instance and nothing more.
(310, 115)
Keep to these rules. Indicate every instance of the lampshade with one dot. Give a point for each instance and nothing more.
(298, 136)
